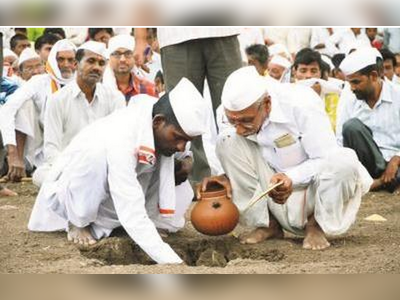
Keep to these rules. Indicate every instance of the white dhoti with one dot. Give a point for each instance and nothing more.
(81, 196)
(333, 196)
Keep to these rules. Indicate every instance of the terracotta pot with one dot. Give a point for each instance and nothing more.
(215, 214)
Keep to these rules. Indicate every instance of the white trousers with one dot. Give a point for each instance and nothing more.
(82, 197)
(333, 196)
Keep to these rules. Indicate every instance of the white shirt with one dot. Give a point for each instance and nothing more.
(320, 36)
(177, 35)
(115, 141)
(68, 111)
(346, 40)
(38, 89)
(309, 133)
(383, 119)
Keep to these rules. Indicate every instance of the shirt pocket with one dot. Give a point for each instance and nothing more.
(291, 155)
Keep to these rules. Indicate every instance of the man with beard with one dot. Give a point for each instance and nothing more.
(120, 73)
(119, 170)
(369, 118)
(78, 104)
(22, 117)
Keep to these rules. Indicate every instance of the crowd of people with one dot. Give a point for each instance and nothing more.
(123, 126)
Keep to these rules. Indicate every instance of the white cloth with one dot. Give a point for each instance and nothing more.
(68, 112)
(176, 35)
(121, 41)
(345, 40)
(280, 61)
(320, 36)
(359, 59)
(102, 179)
(95, 47)
(189, 108)
(242, 88)
(52, 65)
(383, 119)
(37, 89)
(27, 54)
(249, 36)
(333, 195)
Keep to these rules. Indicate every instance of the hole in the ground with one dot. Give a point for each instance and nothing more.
(199, 251)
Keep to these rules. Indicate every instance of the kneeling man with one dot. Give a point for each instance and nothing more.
(283, 139)
(120, 170)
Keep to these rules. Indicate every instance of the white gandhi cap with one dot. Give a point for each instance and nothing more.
(95, 47)
(189, 108)
(243, 88)
(27, 54)
(359, 60)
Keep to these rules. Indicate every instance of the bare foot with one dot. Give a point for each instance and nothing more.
(315, 238)
(80, 236)
(261, 234)
(5, 192)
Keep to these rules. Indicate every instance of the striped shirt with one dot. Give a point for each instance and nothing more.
(383, 119)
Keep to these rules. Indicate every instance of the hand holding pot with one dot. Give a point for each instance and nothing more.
(221, 179)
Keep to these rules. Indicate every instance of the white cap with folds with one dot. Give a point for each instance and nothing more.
(280, 61)
(95, 47)
(243, 88)
(27, 54)
(8, 52)
(189, 108)
(359, 59)
(121, 41)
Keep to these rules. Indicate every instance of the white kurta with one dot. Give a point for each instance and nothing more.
(328, 180)
(99, 181)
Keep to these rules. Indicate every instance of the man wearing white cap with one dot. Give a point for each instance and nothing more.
(119, 74)
(368, 119)
(279, 68)
(9, 58)
(22, 116)
(275, 138)
(119, 171)
(78, 104)
(29, 64)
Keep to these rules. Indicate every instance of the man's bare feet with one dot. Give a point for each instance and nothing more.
(315, 238)
(5, 192)
(80, 236)
(261, 234)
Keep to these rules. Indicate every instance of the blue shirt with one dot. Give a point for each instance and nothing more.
(7, 87)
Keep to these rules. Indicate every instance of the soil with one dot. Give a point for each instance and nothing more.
(369, 247)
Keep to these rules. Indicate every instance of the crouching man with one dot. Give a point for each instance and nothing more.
(284, 139)
(120, 170)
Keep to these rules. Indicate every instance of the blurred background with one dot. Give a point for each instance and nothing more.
(210, 12)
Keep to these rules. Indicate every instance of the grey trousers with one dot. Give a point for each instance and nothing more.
(357, 136)
(213, 59)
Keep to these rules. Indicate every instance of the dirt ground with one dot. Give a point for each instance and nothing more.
(369, 247)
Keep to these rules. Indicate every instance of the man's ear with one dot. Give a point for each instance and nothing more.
(375, 75)
(267, 104)
(158, 121)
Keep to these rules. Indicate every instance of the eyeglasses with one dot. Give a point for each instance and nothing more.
(30, 69)
(248, 124)
(118, 55)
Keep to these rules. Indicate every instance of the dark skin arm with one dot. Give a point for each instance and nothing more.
(183, 168)
(391, 170)
(281, 193)
(15, 157)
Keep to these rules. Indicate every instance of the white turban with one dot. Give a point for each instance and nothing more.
(121, 41)
(27, 54)
(52, 66)
(242, 89)
(280, 61)
(359, 59)
(95, 47)
(189, 108)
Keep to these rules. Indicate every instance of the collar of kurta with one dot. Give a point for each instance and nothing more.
(76, 91)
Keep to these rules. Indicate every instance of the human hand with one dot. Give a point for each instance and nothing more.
(182, 169)
(391, 170)
(221, 179)
(281, 193)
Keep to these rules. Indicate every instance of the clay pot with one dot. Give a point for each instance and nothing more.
(215, 214)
